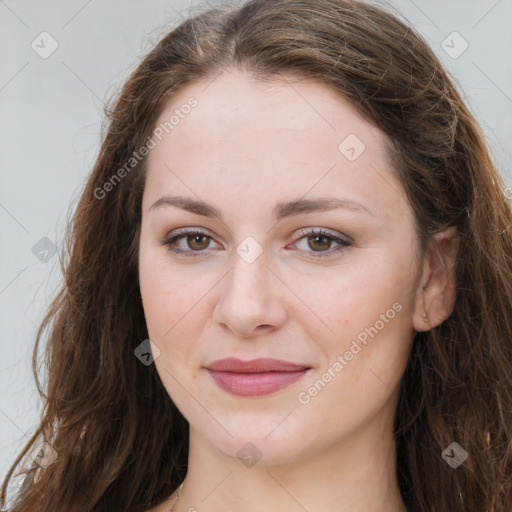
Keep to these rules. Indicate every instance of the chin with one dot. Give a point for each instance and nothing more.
(264, 439)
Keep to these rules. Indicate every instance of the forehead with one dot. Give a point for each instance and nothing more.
(287, 135)
(283, 103)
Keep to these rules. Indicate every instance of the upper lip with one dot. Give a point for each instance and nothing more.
(234, 365)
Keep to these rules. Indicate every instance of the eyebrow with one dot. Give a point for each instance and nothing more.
(281, 210)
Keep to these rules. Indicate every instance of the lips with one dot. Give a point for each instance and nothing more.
(254, 378)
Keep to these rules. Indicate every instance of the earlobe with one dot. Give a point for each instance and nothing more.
(436, 292)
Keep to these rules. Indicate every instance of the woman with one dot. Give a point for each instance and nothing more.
(295, 206)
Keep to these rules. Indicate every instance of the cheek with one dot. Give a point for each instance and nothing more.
(174, 302)
(365, 358)
(365, 313)
(343, 302)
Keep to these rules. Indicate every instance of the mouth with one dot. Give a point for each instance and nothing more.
(255, 378)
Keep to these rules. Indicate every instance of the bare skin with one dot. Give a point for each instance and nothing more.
(247, 147)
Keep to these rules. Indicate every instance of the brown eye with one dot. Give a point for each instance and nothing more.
(319, 242)
(198, 242)
(190, 243)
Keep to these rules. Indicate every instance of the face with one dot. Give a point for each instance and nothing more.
(273, 228)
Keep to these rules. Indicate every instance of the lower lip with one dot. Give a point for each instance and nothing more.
(255, 384)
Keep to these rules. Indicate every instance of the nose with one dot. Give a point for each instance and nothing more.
(251, 300)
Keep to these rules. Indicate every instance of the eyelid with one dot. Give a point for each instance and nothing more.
(190, 231)
(323, 231)
(300, 233)
(343, 241)
(183, 232)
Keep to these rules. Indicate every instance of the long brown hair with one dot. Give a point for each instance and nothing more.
(120, 441)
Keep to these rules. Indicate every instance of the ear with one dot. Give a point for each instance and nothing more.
(435, 295)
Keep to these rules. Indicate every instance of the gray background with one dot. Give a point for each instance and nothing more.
(51, 115)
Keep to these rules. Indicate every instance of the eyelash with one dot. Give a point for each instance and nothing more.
(343, 243)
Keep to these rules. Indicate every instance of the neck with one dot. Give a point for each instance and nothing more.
(359, 473)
